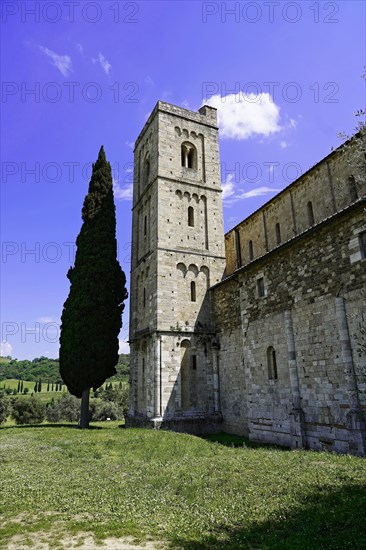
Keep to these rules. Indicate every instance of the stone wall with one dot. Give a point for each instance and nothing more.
(313, 315)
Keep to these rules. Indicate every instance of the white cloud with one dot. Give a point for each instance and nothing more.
(228, 187)
(106, 66)
(241, 116)
(130, 144)
(5, 349)
(258, 192)
(124, 347)
(48, 320)
(61, 62)
(123, 193)
(283, 144)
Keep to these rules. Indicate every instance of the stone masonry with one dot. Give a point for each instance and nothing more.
(265, 337)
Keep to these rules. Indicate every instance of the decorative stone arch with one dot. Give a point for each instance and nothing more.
(189, 155)
(206, 273)
(193, 269)
(182, 269)
(179, 193)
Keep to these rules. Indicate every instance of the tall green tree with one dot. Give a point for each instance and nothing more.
(92, 315)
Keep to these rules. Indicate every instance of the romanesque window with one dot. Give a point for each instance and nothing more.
(352, 188)
(260, 287)
(362, 238)
(271, 363)
(251, 254)
(189, 155)
(238, 248)
(278, 233)
(310, 213)
(146, 169)
(190, 216)
(193, 291)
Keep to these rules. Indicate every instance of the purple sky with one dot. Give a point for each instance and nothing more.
(285, 77)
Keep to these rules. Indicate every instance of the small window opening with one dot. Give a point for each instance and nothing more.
(193, 291)
(272, 364)
(238, 248)
(310, 213)
(146, 170)
(144, 297)
(260, 287)
(194, 362)
(190, 216)
(251, 254)
(145, 226)
(352, 188)
(278, 233)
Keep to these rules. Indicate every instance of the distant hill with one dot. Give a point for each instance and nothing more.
(48, 369)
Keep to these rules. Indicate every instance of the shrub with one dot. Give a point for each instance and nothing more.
(52, 412)
(119, 396)
(5, 407)
(28, 411)
(68, 407)
(100, 411)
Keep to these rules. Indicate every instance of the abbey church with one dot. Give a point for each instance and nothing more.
(262, 331)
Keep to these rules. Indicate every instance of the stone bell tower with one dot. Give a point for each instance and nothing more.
(177, 254)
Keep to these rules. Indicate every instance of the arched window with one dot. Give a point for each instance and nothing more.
(310, 213)
(189, 155)
(352, 188)
(271, 363)
(251, 254)
(238, 248)
(193, 291)
(278, 233)
(190, 216)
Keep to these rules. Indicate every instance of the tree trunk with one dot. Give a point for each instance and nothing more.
(84, 409)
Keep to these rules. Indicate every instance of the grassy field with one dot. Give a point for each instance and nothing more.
(190, 492)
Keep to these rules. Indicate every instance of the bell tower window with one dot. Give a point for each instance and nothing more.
(189, 155)
(190, 216)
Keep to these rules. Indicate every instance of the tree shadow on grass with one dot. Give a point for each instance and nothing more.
(332, 521)
(231, 440)
(43, 426)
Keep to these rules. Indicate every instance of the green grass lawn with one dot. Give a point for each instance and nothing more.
(192, 493)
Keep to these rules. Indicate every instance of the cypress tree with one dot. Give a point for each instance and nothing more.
(52, 388)
(48, 386)
(92, 315)
(39, 385)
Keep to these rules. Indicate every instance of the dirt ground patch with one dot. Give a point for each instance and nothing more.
(83, 541)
